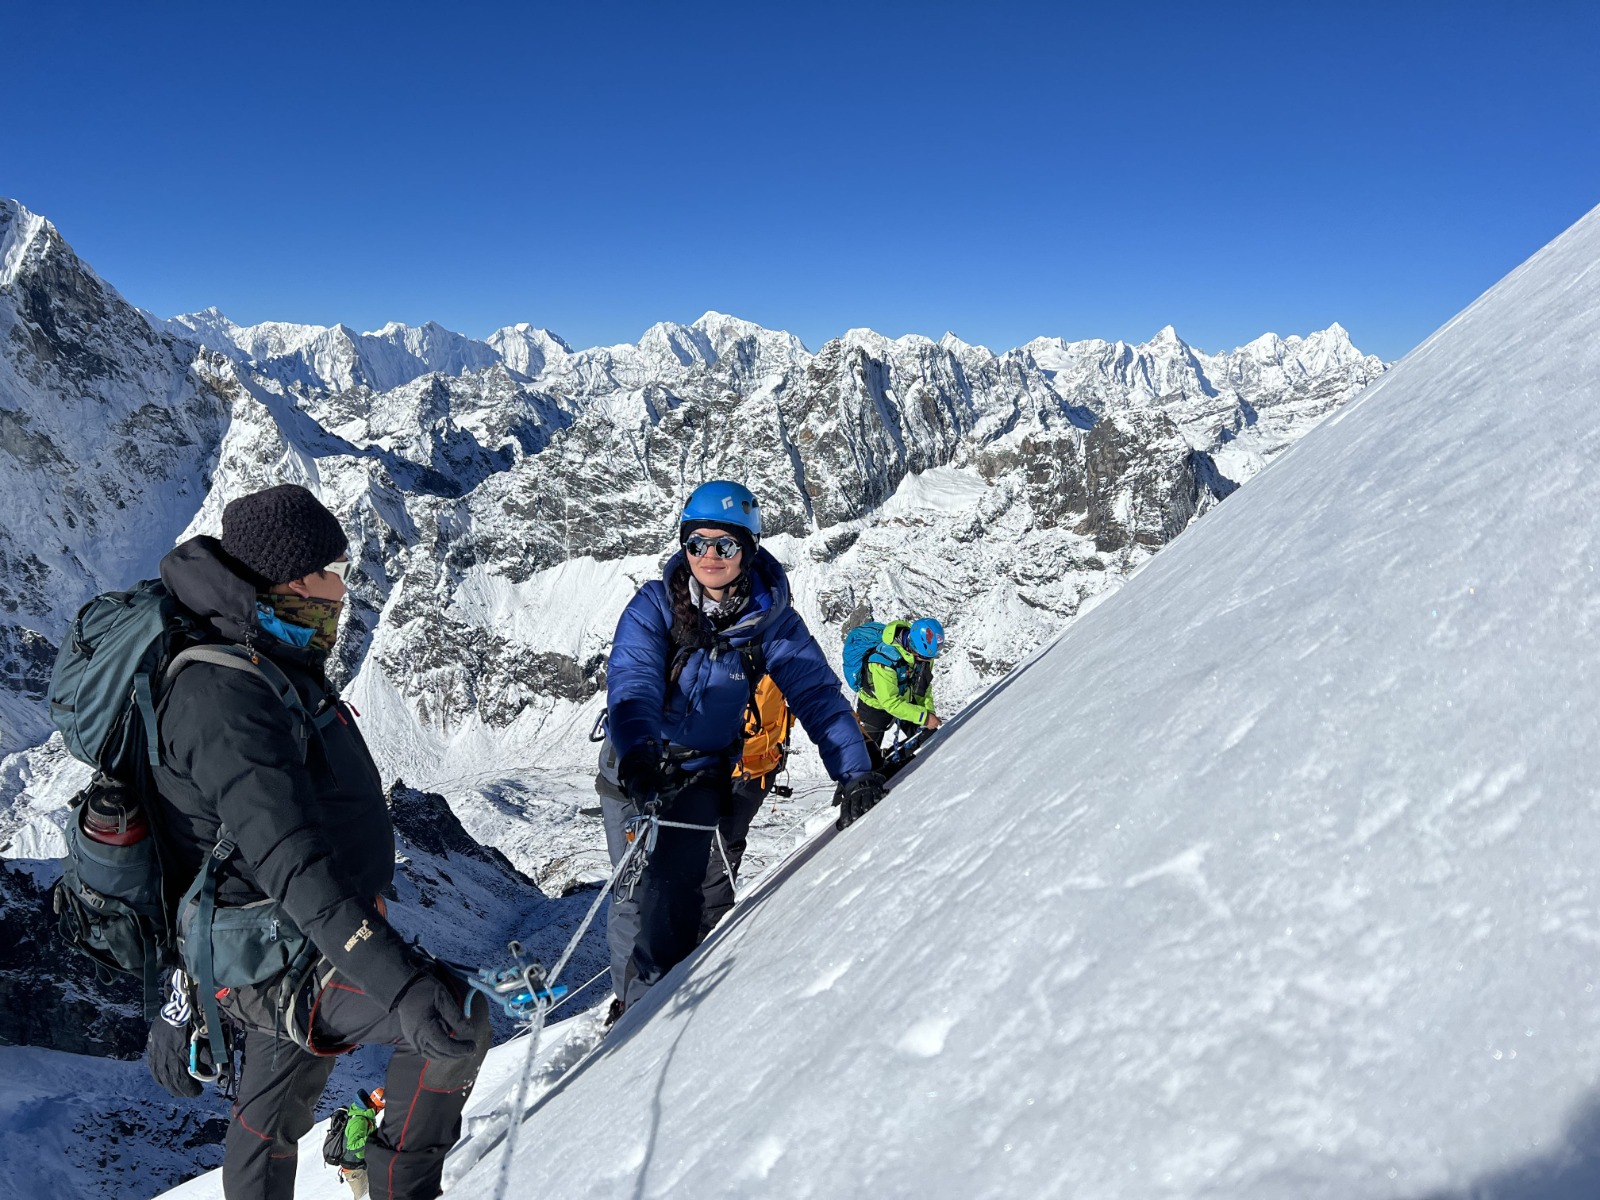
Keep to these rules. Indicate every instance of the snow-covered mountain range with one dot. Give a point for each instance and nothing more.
(507, 495)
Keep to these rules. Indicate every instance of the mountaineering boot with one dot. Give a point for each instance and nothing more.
(356, 1177)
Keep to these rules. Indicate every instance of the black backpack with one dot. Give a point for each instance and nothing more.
(114, 903)
(333, 1140)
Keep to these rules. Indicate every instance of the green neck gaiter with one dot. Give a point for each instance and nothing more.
(309, 612)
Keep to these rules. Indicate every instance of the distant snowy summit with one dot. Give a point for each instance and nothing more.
(336, 357)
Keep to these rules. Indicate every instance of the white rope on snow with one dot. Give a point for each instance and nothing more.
(536, 1027)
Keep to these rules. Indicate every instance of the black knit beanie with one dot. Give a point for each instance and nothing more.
(739, 533)
(281, 533)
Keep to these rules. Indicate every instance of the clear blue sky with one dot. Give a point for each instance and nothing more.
(1000, 170)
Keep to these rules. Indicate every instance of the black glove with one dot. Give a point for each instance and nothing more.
(166, 1052)
(856, 796)
(639, 772)
(432, 1021)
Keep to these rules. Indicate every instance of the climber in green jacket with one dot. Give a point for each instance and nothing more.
(358, 1127)
(897, 682)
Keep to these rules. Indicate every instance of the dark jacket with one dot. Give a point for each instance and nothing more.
(704, 708)
(312, 827)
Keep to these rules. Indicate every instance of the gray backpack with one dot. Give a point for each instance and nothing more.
(113, 902)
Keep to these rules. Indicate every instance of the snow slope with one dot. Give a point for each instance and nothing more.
(1273, 876)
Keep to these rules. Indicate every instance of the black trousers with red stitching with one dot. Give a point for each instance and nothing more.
(280, 1084)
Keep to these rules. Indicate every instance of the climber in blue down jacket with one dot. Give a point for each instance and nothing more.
(689, 650)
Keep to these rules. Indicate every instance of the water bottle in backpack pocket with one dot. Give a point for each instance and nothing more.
(108, 901)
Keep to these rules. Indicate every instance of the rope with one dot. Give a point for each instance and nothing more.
(727, 867)
(545, 1008)
(519, 1107)
(580, 987)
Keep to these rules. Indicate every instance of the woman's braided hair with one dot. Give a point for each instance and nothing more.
(691, 630)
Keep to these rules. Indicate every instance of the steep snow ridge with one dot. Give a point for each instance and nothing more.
(106, 438)
(18, 229)
(1265, 879)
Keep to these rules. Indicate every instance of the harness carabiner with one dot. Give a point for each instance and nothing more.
(194, 1060)
(640, 833)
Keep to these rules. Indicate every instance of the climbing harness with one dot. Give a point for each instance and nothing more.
(641, 831)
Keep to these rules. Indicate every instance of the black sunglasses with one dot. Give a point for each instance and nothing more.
(726, 547)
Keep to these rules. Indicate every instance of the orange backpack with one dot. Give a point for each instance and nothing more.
(765, 747)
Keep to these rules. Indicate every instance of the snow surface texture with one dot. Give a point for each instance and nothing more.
(1273, 876)
(74, 1126)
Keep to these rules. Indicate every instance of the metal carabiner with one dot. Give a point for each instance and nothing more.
(640, 832)
(194, 1060)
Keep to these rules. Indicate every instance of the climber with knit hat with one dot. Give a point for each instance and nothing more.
(262, 767)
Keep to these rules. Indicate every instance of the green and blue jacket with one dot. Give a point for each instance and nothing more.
(897, 686)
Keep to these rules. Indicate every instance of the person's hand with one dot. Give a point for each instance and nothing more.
(854, 797)
(166, 1053)
(431, 1019)
(932, 721)
(639, 773)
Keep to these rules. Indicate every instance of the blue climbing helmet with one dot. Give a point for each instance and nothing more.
(925, 637)
(724, 503)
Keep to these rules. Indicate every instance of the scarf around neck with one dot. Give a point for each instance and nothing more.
(300, 620)
(724, 612)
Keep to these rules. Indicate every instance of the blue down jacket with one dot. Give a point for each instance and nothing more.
(705, 708)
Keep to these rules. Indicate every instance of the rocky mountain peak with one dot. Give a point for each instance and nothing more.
(20, 231)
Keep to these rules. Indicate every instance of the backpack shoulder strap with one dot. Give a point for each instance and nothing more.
(755, 658)
(205, 975)
(884, 655)
(237, 658)
(755, 666)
